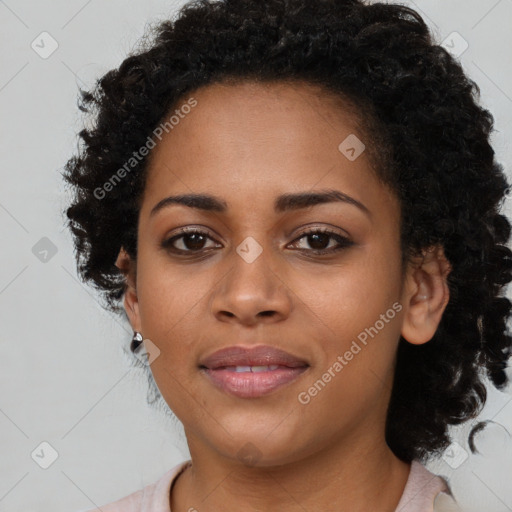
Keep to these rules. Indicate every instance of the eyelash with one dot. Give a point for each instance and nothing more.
(343, 242)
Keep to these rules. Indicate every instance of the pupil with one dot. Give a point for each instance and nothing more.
(196, 241)
(315, 237)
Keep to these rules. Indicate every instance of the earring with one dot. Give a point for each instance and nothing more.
(136, 341)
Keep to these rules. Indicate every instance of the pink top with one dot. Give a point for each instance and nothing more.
(423, 492)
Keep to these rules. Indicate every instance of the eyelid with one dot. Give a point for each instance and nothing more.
(304, 230)
(194, 228)
(322, 227)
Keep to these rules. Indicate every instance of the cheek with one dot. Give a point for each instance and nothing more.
(353, 312)
(169, 297)
(346, 298)
(355, 356)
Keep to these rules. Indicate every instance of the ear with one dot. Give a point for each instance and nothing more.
(426, 295)
(131, 304)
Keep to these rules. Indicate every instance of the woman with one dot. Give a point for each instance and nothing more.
(298, 204)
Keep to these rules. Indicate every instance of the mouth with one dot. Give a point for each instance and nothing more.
(251, 373)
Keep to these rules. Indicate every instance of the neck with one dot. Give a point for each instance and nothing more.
(348, 476)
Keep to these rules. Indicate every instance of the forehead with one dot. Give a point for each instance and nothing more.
(251, 141)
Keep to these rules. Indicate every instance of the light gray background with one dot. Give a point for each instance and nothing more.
(65, 378)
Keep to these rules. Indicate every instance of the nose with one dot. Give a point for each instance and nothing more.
(251, 293)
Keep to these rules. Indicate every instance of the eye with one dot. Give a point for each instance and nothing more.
(320, 238)
(191, 240)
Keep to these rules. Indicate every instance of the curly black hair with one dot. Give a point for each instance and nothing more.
(419, 109)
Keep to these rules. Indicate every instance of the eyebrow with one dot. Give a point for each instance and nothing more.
(283, 203)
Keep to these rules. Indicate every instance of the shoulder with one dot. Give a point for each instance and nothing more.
(426, 492)
(445, 502)
(153, 497)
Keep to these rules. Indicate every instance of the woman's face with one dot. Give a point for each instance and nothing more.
(254, 279)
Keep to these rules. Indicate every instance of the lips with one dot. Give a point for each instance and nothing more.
(262, 355)
(251, 373)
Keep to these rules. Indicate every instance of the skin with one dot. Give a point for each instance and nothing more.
(247, 144)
